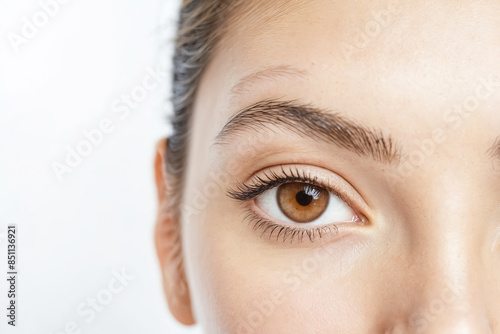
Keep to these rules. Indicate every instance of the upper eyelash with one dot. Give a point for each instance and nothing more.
(245, 192)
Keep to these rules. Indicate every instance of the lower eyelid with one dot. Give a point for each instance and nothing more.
(280, 232)
(295, 232)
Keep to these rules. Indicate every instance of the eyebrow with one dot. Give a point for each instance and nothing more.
(312, 122)
(494, 150)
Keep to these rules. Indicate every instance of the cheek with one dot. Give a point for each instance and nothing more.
(241, 283)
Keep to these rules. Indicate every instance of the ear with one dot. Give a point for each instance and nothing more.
(168, 246)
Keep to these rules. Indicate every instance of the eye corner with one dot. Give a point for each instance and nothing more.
(242, 192)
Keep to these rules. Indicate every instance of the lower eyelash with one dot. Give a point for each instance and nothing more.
(279, 231)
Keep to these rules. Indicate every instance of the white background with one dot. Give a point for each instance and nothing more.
(74, 233)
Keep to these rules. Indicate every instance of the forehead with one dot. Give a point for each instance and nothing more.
(382, 29)
(439, 40)
(402, 59)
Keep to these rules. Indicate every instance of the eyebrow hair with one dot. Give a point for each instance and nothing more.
(309, 121)
(494, 151)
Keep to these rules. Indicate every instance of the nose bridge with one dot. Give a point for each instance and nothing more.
(447, 253)
(452, 285)
(450, 307)
(463, 324)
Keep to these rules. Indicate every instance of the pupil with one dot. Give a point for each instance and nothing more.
(303, 198)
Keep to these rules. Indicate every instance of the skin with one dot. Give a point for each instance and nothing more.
(426, 259)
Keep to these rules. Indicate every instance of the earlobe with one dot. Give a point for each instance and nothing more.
(168, 246)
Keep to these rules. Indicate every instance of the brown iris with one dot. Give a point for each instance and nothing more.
(302, 202)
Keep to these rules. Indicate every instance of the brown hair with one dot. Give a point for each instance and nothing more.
(201, 24)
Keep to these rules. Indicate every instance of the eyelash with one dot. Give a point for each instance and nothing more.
(258, 185)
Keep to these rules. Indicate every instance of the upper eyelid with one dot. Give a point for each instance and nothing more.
(258, 182)
(240, 193)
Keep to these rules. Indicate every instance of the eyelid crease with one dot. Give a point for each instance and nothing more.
(272, 179)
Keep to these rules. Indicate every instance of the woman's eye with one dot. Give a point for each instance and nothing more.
(305, 203)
